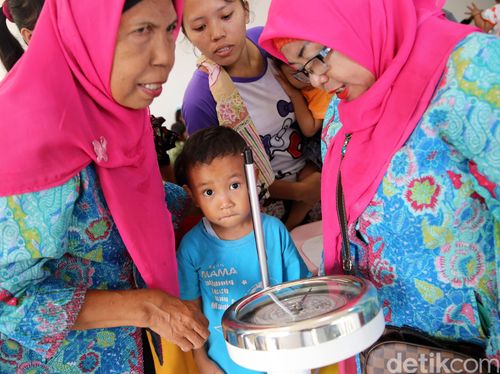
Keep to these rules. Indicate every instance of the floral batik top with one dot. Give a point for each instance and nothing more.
(56, 244)
(429, 239)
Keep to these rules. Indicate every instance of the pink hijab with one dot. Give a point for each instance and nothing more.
(58, 116)
(405, 44)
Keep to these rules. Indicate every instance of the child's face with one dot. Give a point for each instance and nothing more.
(288, 71)
(219, 189)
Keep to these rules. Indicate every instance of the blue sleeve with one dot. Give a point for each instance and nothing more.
(37, 309)
(198, 105)
(294, 266)
(473, 125)
(186, 262)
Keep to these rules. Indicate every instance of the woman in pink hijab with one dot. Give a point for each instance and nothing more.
(83, 218)
(413, 135)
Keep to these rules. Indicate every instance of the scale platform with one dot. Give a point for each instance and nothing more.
(309, 323)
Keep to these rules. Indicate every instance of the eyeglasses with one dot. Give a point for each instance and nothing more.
(313, 66)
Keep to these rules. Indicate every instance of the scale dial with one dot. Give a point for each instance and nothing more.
(301, 313)
(296, 308)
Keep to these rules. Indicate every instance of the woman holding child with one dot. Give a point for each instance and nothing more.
(243, 93)
(413, 135)
(83, 219)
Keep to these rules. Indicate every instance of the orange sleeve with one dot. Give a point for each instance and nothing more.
(317, 101)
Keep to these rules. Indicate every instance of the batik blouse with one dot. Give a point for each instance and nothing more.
(430, 238)
(56, 244)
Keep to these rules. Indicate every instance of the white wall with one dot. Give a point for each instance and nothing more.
(171, 98)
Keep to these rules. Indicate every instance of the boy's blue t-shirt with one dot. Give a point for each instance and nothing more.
(223, 271)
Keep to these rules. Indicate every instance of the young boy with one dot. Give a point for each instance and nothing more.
(217, 259)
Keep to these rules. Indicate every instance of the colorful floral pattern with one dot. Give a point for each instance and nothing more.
(429, 240)
(422, 194)
(54, 245)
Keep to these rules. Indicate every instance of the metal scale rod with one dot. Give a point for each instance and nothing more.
(261, 248)
(256, 217)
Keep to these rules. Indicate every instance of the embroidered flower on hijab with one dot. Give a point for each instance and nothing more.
(100, 146)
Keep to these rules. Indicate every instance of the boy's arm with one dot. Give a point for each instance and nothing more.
(308, 125)
(203, 362)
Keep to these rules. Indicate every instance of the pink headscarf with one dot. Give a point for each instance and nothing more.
(58, 116)
(405, 44)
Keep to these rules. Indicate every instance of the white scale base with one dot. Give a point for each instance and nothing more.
(302, 360)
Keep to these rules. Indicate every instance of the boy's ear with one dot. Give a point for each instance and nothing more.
(190, 193)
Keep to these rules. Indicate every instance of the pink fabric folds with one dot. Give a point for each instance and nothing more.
(58, 116)
(405, 44)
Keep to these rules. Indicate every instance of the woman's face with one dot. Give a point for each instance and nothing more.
(144, 53)
(217, 28)
(336, 74)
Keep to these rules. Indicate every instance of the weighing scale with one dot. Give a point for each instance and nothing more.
(293, 327)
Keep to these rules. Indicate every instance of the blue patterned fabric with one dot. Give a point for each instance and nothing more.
(430, 238)
(56, 244)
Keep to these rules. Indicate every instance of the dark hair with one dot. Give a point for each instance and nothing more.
(164, 139)
(204, 146)
(244, 3)
(178, 127)
(25, 14)
(129, 4)
(178, 115)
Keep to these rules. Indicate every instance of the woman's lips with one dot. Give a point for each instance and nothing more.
(342, 95)
(152, 89)
(341, 92)
(224, 51)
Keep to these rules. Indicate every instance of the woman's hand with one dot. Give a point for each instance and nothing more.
(174, 320)
(178, 321)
